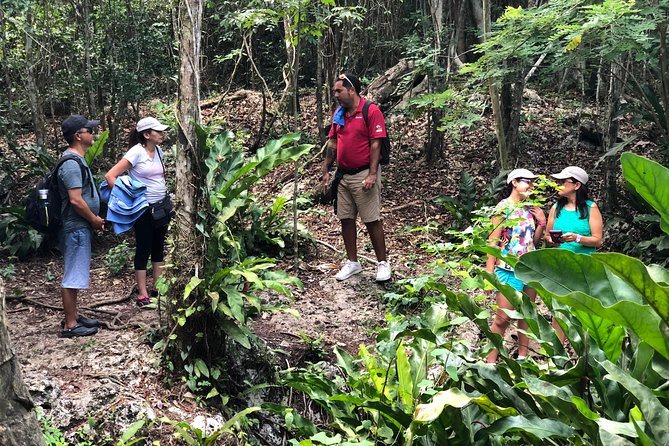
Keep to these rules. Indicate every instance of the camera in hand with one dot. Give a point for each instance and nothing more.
(556, 235)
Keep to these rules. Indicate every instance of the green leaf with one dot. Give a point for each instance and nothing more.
(426, 413)
(236, 333)
(202, 367)
(131, 431)
(532, 424)
(654, 412)
(650, 180)
(607, 334)
(236, 303)
(404, 376)
(323, 438)
(640, 277)
(588, 285)
(228, 424)
(191, 285)
(97, 148)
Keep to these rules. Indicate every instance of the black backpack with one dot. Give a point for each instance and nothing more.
(46, 216)
(385, 142)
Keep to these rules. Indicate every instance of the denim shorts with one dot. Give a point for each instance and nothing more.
(508, 277)
(76, 246)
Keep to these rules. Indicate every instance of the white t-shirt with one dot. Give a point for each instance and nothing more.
(148, 171)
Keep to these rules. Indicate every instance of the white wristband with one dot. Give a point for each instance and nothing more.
(578, 238)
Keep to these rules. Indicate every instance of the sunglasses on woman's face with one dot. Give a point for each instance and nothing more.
(568, 180)
(525, 180)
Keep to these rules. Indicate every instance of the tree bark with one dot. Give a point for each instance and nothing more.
(503, 153)
(611, 136)
(664, 79)
(188, 252)
(33, 93)
(18, 424)
(383, 87)
(90, 90)
(290, 68)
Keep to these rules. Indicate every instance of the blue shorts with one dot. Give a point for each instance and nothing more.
(509, 278)
(76, 246)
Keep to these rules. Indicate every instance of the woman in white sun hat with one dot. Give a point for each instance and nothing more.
(144, 162)
(518, 229)
(574, 214)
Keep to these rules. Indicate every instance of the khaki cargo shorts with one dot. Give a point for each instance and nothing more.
(352, 199)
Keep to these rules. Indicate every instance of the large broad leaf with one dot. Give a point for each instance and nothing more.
(651, 181)
(405, 384)
(641, 278)
(607, 334)
(656, 415)
(588, 285)
(564, 402)
(538, 427)
(426, 413)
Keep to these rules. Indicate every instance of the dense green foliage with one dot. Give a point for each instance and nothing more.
(421, 383)
(214, 307)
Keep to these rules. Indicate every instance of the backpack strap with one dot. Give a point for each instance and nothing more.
(365, 111)
(84, 171)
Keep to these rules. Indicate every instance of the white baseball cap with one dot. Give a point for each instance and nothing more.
(519, 173)
(574, 172)
(150, 123)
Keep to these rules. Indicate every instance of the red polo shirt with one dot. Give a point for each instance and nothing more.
(354, 137)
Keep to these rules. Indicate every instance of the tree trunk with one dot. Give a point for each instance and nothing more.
(8, 131)
(511, 105)
(664, 79)
(503, 153)
(289, 71)
(90, 96)
(320, 118)
(611, 136)
(382, 89)
(18, 425)
(188, 244)
(33, 93)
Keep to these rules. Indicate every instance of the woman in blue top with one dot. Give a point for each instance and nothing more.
(574, 214)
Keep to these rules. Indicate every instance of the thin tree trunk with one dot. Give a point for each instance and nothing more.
(18, 425)
(32, 90)
(664, 66)
(296, 122)
(611, 136)
(503, 153)
(322, 136)
(8, 131)
(188, 252)
(90, 96)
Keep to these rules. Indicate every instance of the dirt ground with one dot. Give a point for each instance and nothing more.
(113, 376)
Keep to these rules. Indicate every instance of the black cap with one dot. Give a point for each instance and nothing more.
(75, 123)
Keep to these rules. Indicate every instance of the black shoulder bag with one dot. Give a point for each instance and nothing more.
(161, 211)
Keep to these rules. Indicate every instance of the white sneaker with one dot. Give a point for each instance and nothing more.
(383, 272)
(349, 269)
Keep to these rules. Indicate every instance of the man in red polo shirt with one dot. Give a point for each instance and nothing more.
(356, 145)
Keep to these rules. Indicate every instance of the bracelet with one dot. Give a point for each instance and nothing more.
(542, 224)
(578, 238)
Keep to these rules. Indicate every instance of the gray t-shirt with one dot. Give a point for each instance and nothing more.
(69, 175)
